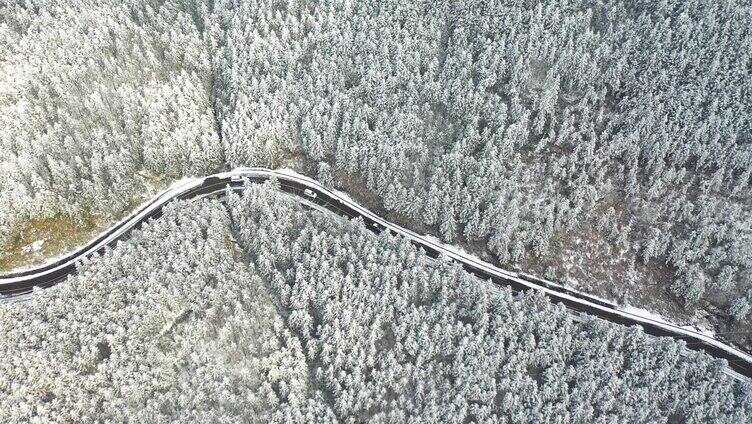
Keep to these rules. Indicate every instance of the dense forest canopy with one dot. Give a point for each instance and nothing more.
(521, 125)
(617, 130)
(92, 95)
(261, 310)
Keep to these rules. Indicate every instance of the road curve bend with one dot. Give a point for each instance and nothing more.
(19, 284)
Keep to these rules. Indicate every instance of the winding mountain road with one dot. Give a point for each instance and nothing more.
(20, 284)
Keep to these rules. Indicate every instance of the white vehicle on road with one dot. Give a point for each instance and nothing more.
(309, 193)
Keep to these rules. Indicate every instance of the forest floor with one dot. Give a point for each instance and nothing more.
(586, 261)
(43, 239)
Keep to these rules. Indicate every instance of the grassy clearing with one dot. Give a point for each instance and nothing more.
(42, 239)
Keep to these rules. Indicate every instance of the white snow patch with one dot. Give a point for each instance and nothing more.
(702, 330)
(343, 195)
(644, 313)
(457, 250)
(33, 247)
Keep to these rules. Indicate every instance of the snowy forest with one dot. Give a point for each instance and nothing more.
(602, 144)
(263, 310)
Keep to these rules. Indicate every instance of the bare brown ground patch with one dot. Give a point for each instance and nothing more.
(57, 235)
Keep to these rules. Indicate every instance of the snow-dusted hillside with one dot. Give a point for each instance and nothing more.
(263, 310)
(601, 143)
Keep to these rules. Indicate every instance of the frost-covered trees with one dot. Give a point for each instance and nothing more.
(260, 310)
(393, 335)
(615, 135)
(93, 97)
(172, 325)
(538, 118)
